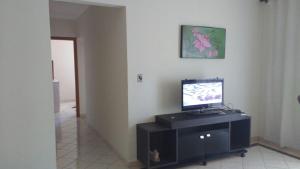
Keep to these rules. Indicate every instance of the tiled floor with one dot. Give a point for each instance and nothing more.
(79, 147)
(257, 158)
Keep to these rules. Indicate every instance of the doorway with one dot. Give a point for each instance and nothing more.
(65, 70)
(100, 32)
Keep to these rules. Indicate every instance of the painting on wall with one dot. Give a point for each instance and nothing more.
(202, 42)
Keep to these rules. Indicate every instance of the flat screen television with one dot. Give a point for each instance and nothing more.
(200, 94)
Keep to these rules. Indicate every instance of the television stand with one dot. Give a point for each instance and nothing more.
(181, 138)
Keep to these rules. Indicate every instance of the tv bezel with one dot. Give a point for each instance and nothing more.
(199, 107)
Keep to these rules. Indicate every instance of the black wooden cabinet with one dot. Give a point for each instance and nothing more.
(216, 142)
(179, 138)
(190, 145)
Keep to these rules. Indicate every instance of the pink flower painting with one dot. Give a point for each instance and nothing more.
(201, 41)
(212, 53)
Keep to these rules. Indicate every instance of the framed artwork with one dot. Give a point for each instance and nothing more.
(202, 42)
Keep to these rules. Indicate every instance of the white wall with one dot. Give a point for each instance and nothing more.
(63, 27)
(102, 53)
(26, 105)
(152, 42)
(62, 53)
(153, 50)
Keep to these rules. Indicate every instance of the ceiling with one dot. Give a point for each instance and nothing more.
(64, 10)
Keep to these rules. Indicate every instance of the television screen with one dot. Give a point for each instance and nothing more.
(197, 94)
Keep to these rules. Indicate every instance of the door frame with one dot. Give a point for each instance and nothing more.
(74, 39)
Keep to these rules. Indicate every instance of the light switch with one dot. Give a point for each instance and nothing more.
(139, 78)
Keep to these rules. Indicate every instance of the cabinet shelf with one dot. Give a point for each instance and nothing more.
(165, 143)
(162, 163)
(240, 134)
(152, 136)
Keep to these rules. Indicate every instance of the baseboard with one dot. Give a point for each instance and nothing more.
(109, 145)
(254, 140)
(135, 165)
(276, 147)
(115, 151)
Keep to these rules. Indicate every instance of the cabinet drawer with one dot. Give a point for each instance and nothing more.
(216, 142)
(190, 146)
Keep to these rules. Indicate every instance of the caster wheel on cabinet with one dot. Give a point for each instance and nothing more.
(243, 154)
(204, 163)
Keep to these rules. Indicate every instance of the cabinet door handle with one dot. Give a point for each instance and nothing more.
(208, 135)
(201, 137)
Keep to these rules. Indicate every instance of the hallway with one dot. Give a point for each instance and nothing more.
(80, 147)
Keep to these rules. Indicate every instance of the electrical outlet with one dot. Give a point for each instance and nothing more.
(139, 78)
